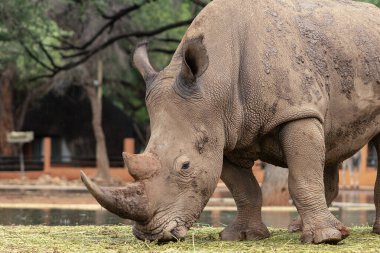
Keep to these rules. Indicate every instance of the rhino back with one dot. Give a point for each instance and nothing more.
(273, 61)
(318, 55)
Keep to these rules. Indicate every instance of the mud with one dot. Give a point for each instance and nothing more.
(346, 71)
(310, 89)
(283, 89)
(269, 53)
(298, 58)
(371, 60)
(316, 42)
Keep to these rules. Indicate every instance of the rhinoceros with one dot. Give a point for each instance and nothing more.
(295, 83)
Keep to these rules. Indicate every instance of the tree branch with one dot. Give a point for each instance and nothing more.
(198, 2)
(171, 40)
(137, 34)
(125, 11)
(112, 20)
(35, 58)
(48, 55)
(85, 55)
(162, 50)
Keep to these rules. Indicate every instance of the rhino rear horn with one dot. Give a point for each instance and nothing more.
(128, 202)
(142, 63)
(141, 166)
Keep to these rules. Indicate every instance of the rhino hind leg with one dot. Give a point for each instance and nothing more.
(376, 226)
(331, 181)
(246, 192)
(303, 146)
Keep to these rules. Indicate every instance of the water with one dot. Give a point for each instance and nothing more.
(218, 218)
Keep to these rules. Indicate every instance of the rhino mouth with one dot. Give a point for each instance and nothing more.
(171, 231)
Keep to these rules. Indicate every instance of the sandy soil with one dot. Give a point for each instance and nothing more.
(46, 197)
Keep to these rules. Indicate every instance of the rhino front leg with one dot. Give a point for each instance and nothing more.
(376, 226)
(331, 182)
(304, 149)
(246, 192)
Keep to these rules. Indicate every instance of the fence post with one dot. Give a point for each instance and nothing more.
(47, 154)
(129, 145)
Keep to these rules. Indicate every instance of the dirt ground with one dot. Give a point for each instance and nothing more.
(33, 197)
(45, 196)
(57, 181)
(56, 195)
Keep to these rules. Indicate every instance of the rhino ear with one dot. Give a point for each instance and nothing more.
(195, 59)
(141, 62)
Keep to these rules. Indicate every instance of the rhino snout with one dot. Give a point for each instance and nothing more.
(171, 232)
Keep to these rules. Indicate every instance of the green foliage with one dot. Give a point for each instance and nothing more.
(25, 23)
(157, 14)
(150, 17)
(206, 239)
(375, 2)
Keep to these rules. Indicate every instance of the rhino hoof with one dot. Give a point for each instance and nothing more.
(245, 234)
(325, 235)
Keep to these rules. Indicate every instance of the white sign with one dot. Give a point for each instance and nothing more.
(20, 137)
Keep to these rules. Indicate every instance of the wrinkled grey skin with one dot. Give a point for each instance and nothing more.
(293, 83)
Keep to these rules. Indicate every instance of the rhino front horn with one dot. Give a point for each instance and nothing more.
(128, 202)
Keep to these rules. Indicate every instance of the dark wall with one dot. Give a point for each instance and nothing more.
(69, 116)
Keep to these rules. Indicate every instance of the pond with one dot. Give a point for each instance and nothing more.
(273, 217)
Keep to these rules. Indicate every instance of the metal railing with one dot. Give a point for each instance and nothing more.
(12, 163)
(36, 163)
(83, 161)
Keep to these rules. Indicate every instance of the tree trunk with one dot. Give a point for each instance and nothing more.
(275, 186)
(6, 111)
(95, 95)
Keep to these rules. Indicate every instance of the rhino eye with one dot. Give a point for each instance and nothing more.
(182, 164)
(185, 165)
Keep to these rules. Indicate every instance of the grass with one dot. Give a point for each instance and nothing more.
(205, 239)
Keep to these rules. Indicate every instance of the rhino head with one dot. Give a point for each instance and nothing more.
(182, 163)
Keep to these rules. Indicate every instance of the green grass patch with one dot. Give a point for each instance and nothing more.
(205, 239)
